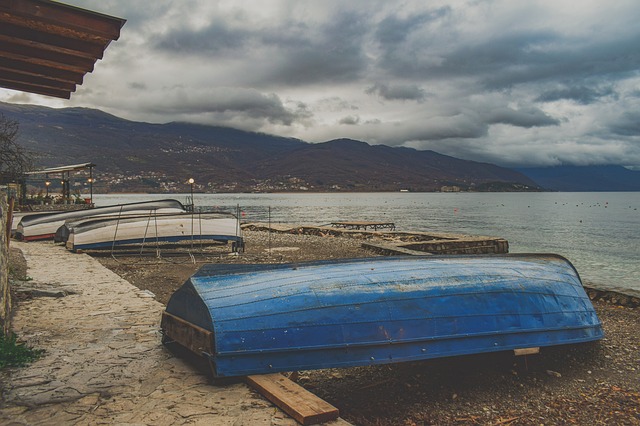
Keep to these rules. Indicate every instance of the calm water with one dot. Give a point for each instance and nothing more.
(598, 232)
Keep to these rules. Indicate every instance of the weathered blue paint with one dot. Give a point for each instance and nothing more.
(268, 318)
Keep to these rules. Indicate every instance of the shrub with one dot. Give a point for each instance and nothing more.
(15, 354)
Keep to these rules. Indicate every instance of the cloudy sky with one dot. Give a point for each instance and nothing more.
(510, 82)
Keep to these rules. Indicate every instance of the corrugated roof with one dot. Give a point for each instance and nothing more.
(60, 169)
(47, 47)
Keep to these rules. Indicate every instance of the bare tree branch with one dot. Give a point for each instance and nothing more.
(15, 160)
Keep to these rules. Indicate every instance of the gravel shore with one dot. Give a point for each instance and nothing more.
(586, 384)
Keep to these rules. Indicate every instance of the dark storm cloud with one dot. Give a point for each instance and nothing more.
(525, 117)
(465, 130)
(403, 53)
(499, 56)
(394, 30)
(332, 52)
(604, 61)
(511, 57)
(403, 92)
(299, 53)
(582, 95)
(628, 124)
(458, 126)
(351, 120)
(215, 38)
(244, 103)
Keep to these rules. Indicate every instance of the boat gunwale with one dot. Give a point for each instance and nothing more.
(151, 240)
(138, 218)
(417, 340)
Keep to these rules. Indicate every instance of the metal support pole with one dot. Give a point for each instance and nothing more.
(91, 185)
(269, 239)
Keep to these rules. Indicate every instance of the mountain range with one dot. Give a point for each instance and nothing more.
(584, 178)
(144, 157)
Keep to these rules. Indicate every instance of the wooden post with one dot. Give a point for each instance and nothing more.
(12, 202)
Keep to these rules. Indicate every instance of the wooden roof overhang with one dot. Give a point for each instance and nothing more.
(62, 169)
(47, 47)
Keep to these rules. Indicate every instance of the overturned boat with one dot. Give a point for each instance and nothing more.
(63, 232)
(44, 227)
(109, 232)
(255, 319)
(17, 217)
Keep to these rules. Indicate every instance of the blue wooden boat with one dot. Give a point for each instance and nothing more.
(255, 319)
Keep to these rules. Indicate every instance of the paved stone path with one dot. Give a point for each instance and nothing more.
(104, 363)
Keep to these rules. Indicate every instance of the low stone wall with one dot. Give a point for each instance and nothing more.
(462, 246)
(615, 296)
(5, 294)
(398, 242)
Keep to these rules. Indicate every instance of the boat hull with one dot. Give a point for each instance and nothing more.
(63, 232)
(111, 232)
(268, 318)
(45, 227)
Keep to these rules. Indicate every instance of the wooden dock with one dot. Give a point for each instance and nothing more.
(392, 243)
(363, 225)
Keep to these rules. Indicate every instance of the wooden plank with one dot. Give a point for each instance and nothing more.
(192, 337)
(59, 18)
(526, 351)
(362, 223)
(40, 90)
(359, 225)
(55, 42)
(305, 407)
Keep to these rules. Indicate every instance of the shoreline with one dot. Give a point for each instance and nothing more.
(594, 230)
(613, 295)
(597, 383)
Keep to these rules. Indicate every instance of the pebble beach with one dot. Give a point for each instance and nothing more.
(105, 364)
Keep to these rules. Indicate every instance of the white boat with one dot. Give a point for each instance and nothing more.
(45, 227)
(62, 233)
(16, 217)
(101, 233)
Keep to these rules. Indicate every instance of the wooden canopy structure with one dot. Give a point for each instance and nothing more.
(47, 47)
(65, 176)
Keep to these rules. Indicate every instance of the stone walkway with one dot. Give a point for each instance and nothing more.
(104, 363)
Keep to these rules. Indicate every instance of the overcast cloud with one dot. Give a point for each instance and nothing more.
(509, 82)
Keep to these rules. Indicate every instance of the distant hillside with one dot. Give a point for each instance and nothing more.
(585, 178)
(135, 156)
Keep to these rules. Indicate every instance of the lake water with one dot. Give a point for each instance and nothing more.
(598, 232)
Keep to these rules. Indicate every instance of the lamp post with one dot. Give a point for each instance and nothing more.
(90, 180)
(46, 184)
(191, 182)
(64, 190)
